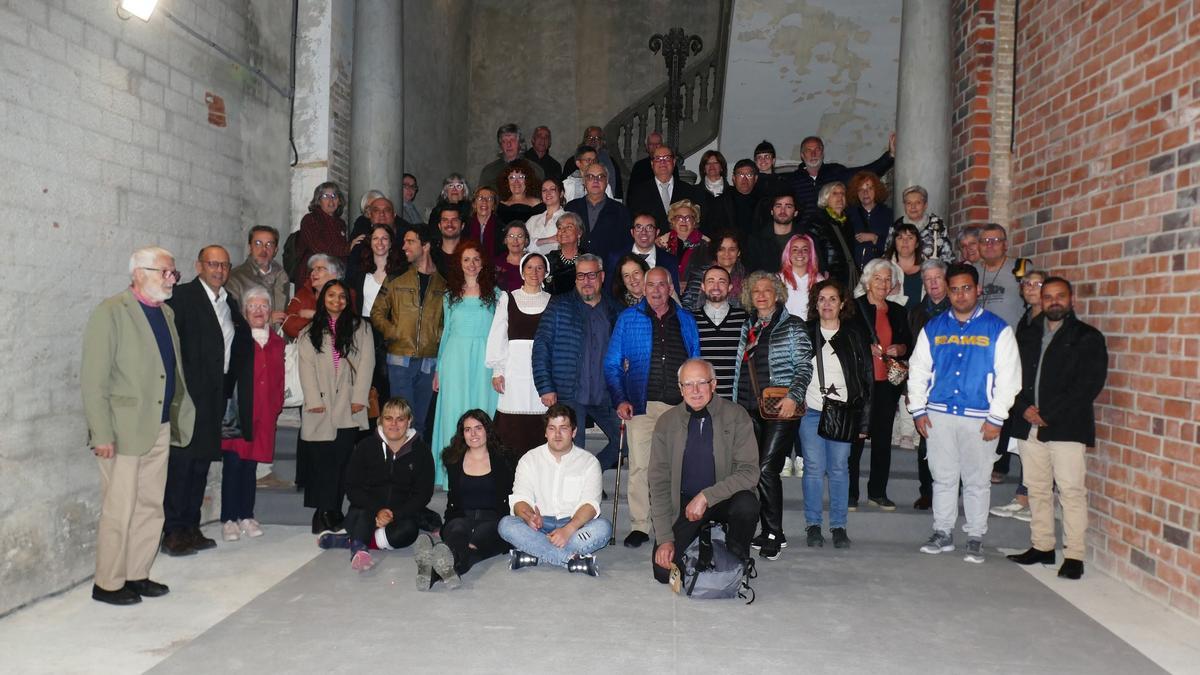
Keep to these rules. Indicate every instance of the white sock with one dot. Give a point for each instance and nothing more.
(381, 540)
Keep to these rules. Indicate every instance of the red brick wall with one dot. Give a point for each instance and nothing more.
(974, 45)
(1105, 191)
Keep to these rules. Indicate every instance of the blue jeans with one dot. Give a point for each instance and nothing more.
(587, 540)
(821, 457)
(415, 386)
(606, 419)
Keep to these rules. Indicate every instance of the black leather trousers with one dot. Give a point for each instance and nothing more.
(775, 439)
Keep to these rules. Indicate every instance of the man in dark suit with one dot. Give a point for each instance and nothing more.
(605, 221)
(656, 196)
(641, 171)
(206, 319)
(644, 232)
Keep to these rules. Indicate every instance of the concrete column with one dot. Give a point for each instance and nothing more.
(377, 111)
(924, 102)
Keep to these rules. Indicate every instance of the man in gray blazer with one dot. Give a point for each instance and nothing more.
(703, 468)
(136, 403)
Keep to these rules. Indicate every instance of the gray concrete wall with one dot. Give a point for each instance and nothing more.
(437, 73)
(824, 67)
(566, 65)
(107, 146)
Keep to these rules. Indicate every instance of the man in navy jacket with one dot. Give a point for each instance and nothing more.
(568, 353)
(606, 221)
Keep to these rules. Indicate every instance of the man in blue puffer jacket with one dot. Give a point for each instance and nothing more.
(963, 376)
(568, 354)
(650, 343)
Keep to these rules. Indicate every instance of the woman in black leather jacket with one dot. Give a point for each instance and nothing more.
(843, 373)
(831, 230)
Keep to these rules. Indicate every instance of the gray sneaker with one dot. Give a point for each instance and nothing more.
(939, 542)
(974, 551)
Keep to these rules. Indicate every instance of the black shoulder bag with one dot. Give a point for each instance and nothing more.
(839, 421)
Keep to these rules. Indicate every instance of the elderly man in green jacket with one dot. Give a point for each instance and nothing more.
(703, 468)
(136, 403)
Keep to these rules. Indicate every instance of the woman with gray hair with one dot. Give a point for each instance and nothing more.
(774, 351)
(322, 229)
(831, 230)
(561, 277)
(456, 193)
(968, 244)
(886, 322)
(256, 369)
(935, 240)
(300, 311)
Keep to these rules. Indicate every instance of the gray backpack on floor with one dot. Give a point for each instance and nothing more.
(710, 571)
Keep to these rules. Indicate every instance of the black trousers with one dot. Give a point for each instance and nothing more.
(923, 473)
(476, 528)
(325, 488)
(237, 487)
(738, 514)
(884, 397)
(775, 438)
(360, 525)
(186, 479)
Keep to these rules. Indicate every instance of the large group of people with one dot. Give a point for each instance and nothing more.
(719, 327)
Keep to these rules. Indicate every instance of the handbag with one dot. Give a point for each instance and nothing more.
(839, 421)
(897, 370)
(711, 572)
(770, 399)
(293, 395)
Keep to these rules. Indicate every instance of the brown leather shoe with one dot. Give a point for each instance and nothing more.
(177, 543)
(199, 541)
(923, 504)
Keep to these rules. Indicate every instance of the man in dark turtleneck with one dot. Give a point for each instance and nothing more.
(703, 468)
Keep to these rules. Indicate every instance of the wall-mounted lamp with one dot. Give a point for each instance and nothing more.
(142, 9)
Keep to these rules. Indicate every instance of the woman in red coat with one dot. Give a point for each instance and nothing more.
(255, 381)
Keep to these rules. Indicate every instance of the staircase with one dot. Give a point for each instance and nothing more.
(703, 91)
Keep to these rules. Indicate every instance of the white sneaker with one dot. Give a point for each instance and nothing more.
(798, 467)
(230, 531)
(1023, 514)
(788, 465)
(1008, 510)
(250, 527)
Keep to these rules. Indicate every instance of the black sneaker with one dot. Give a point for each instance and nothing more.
(840, 540)
(770, 548)
(1033, 557)
(583, 564)
(883, 503)
(757, 542)
(636, 538)
(518, 559)
(813, 536)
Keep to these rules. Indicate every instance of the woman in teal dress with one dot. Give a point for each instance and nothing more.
(462, 380)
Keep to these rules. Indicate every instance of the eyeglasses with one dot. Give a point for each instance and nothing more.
(589, 276)
(456, 186)
(684, 219)
(991, 241)
(258, 243)
(329, 195)
(743, 176)
(592, 137)
(595, 177)
(516, 176)
(515, 235)
(695, 385)
(1032, 284)
(485, 198)
(645, 227)
(663, 159)
(216, 264)
(165, 272)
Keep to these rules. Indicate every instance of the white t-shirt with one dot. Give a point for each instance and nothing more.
(797, 298)
(834, 378)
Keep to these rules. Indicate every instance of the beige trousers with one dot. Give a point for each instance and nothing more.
(1047, 463)
(640, 433)
(131, 513)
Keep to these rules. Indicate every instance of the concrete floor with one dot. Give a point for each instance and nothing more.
(278, 604)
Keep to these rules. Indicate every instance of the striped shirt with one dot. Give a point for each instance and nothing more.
(719, 344)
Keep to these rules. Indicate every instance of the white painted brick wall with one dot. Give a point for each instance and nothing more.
(107, 146)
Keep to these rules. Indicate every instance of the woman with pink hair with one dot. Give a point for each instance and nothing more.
(798, 271)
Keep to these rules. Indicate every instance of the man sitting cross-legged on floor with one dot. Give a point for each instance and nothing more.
(703, 468)
(389, 481)
(556, 501)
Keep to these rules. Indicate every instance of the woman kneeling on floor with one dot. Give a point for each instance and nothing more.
(480, 472)
(389, 481)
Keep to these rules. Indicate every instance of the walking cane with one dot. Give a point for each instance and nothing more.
(617, 485)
